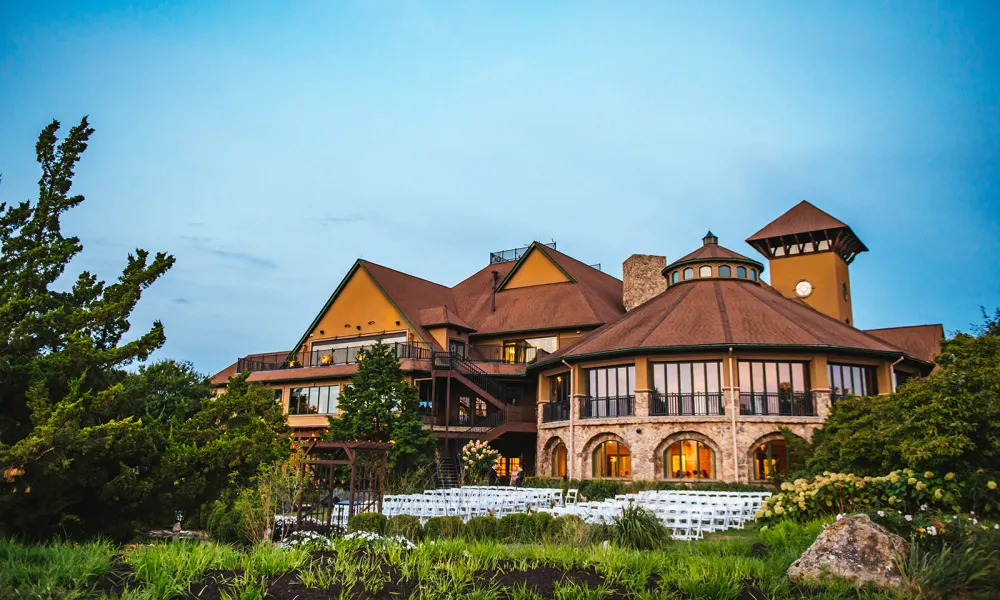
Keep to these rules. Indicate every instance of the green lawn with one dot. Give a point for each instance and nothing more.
(740, 565)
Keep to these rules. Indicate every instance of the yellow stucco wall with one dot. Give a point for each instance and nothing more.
(536, 269)
(360, 301)
(827, 273)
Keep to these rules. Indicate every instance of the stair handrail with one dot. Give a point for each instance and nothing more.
(479, 377)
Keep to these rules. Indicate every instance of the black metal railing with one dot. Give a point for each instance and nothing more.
(513, 254)
(694, 404)
(614, 406)
(508, 414)
(473, 373)
(782, 404)
(347, 355)
(555, 411)
(512, 355)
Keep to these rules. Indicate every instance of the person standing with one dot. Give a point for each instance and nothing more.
(492, 476)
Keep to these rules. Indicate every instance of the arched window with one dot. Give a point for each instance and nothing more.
(688, 273)
(688, 459)
(612, 459)
(741, 272)
(770, 458)
(676, 276)
(753, 274)
(559, 460)
(725, 271)
(705, 271)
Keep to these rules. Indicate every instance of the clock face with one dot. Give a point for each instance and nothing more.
(803, 289)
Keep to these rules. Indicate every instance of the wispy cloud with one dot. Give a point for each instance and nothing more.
(241, 257)
(195, 239)
(180, 301)
(341, 219)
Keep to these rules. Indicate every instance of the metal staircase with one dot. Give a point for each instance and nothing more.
(446, 472)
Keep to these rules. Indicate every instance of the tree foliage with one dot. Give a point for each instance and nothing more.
(86, 447)
(948, 422)
(381, 406)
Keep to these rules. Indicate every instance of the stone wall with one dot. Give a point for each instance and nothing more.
(641, 278)
(648, 437)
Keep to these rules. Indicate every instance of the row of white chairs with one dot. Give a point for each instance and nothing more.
(474, 501)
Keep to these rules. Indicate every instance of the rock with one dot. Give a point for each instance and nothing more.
(856, 550)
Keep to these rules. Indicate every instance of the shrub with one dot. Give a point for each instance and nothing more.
(520, 528)
(443, 527)
(223, 522)
(570, 530)
(407, 526)
(481, 529)
(477, 458)
(638, 529)
(541, 521)
(370, 521)
(966, 570)
(598, 533)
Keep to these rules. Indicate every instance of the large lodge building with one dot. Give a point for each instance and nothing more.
(681, 371)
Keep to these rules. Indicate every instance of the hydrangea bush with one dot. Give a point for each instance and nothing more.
(477, 458)
(903, 490)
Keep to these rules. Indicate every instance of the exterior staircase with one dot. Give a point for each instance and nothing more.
(446, 473)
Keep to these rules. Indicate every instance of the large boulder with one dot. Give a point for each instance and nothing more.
(856, 550)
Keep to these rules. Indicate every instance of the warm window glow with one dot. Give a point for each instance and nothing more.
(612, 459)
(689, 459)
(506, 465)
(770, 458)
(320, 400)
(559, 460)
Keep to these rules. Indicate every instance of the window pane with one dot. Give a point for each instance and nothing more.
(676, 277)
(725, 271)
(659, 378)
(685, 378)
(741, 272)
(631, 380)
(622, 382)
(745, 382)
(705, 271)
(753, 274)
(798, 378)
(757, 373)
(688, 273)
(699, 377)
(706, 462)
(592, 390)
(771, 377)
(712, 378)
(672, 381)
(784, 377)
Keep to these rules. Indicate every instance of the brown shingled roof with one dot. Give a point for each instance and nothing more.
(410, 294)
(442, 315)
(920, 341)
(723, 312)
(801, 218)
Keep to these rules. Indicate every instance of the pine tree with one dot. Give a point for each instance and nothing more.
(381, 406)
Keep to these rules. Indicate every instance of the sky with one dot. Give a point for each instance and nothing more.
(267, 145)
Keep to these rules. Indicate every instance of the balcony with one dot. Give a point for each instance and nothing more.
(555, 411)
(687, 404)
(779, 404)
(613, 406)
(276, 361)
(511, 355)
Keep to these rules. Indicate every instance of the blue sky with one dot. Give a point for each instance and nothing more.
(269, 145)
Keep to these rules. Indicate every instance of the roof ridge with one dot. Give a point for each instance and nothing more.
(723, 312)
(410, 275)
(770, 303)
(941, 325)
(666, 313)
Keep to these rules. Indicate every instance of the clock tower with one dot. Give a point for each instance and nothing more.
(809, 252)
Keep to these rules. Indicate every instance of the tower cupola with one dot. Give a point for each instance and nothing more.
(808, 253)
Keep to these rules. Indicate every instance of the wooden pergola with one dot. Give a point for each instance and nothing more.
(360, 465)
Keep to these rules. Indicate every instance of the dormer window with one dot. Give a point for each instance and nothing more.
(725, 271)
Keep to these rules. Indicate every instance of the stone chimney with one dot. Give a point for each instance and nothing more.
(642, 278)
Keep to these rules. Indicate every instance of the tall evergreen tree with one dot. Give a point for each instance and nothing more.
(381, 406)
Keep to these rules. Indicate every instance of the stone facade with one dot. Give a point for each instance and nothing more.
(641, 278)
(648, 437)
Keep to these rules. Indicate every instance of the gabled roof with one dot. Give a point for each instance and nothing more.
(533, 247)
(442, 315)
(712, 252)
(723, 313)
(590, 299)
(921, 341)
(801, 218)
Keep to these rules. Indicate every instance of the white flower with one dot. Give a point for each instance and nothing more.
(881, 513)
(839, 517)
(932, 530)
(908, 518)
(923, 507)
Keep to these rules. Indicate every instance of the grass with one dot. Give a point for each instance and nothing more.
(449, 568)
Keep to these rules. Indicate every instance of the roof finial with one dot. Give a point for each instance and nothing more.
(709, 238)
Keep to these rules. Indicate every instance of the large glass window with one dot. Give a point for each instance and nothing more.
(320, 400)
(549, 344)
(689, 459)
(612, 459)
(770, 458)
(457, 347)
(774, 388)
(346, 351)
(690, 388)
(559, 388)
(559, 460)
(610, 391)
(859, 380)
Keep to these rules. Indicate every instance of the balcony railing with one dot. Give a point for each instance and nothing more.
(512, 355)
(614, 406)
(555, 411)
(782, 404)
(276, 361)
(693, 404)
